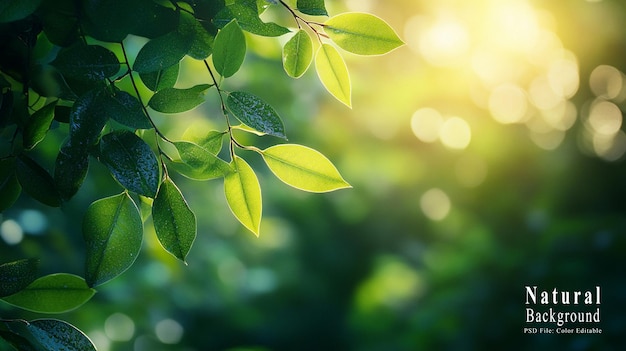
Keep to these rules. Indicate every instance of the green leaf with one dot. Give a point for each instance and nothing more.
(247, 15)
(362, 33)
(333, 73)
(125, 108)
(174, 100)
(174, 222)
(210, 141)
(201, 40)
(158, 80)
(87, 62)
(36, 181)
(199, 163)
(17, 275)
(13, 10)
(243, 194)
(60, 21)
(229, 49)
(54, 293)
(162, 52)
(131, 161)
(303, 168)
(72, 164)
(312, 7)
(255, 113)
(87, 118)
(37, 125)
(46, 335)
(10, 188)
(113, 233)
(298, 54)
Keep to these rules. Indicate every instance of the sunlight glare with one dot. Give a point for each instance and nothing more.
(508, 104)
(426, 124)
(563, 76)
(445, 42)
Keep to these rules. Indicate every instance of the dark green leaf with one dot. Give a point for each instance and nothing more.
(198, 163)
(201, 39)
(87, 62)
(153, 20)
(312, 7)
(174, 222)
(125, 108)
(10, 188)
(60, 21)
(17, 275)
(229, 49)
(158, 80)
(46, 335)
(13, 10)
(113, 233)
(131, 161)
(36, 181)
(70, 170)
(247, 16)
(255, 113)
(173, 100)
(87, 118)
(6, 109)
(62, 114)
(162, 52)
(54, 293)
(48, 82)
(37, 125)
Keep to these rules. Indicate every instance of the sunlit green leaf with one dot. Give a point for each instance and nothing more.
(10, 188)
(113, 233)
(312, 7)
(198, 163)
(158, 80)
(229, 49)
(17, 275)
(255, 113)
(131, 161)
(211, 141)
(298, 54)
(87, 62)
(362, 33)
(174, 222)
(243, 194)
(162, 52)
(303, 168)
(333, 73)
(13, 10)
(45, 335)
(174, 100)
(54, 293)
(72, 164)
(247, 15)
(36, 181)
(125, 108)
(38, 124)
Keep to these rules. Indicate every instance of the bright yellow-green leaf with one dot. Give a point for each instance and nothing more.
(333, 73)
(298, 54)
(362, 33)
(303, 168)
(243, 194)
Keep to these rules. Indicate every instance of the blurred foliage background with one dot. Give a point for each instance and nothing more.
(485, 155)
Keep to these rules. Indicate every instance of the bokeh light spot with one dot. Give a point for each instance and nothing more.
(610, 147)
(605, 118)
(455, 133)
(426, 124)
(508, 104)
(563, 76)
(169, 331)
(11, 232)
(435, 204)
(606, 82)
(445, 43)
(33, 222)
(119, 327)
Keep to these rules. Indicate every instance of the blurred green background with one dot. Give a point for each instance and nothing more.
(485, 155)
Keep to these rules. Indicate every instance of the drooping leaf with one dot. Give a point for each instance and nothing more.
(131, 161)
(13, 10)
(87, 118)
(198, 163)
(243, 194)
(162, 52)
(10, 188)
(312, 7)
(298, 54)
(174, 100)
(201, 39)
(17, 275)
(229, 49)
(303, 168)
(211, 141)
(333, 73)
(37, 125)
(113, 233)
(54, 293)
(87, 62)
(36, 181)
(247, 15)
(362, 33)
(255, 113)
(158, 80)
(72, 164)
(174, 222)
(125, 108)
(46, 335)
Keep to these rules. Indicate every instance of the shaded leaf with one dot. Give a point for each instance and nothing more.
(37, 125)
(333, 73)
(174, 100)
(247, 16)
(303, 168)
(87, 118)
(17, 275)
(60, 21)
(36, 181)
(198, 163)
(255, 113)
(125, 108)
(87, 62)
(201, 40)
(46, 335)
(362, 33)
(174, 222)
(243, 194)
(13, 10)
(298, 54)
(162, 52)
(54, 293)
(10, 188)
(158, 80)
(229, 49)
(72, 164)
(113, 232)
(312, 7)
(131, 161)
